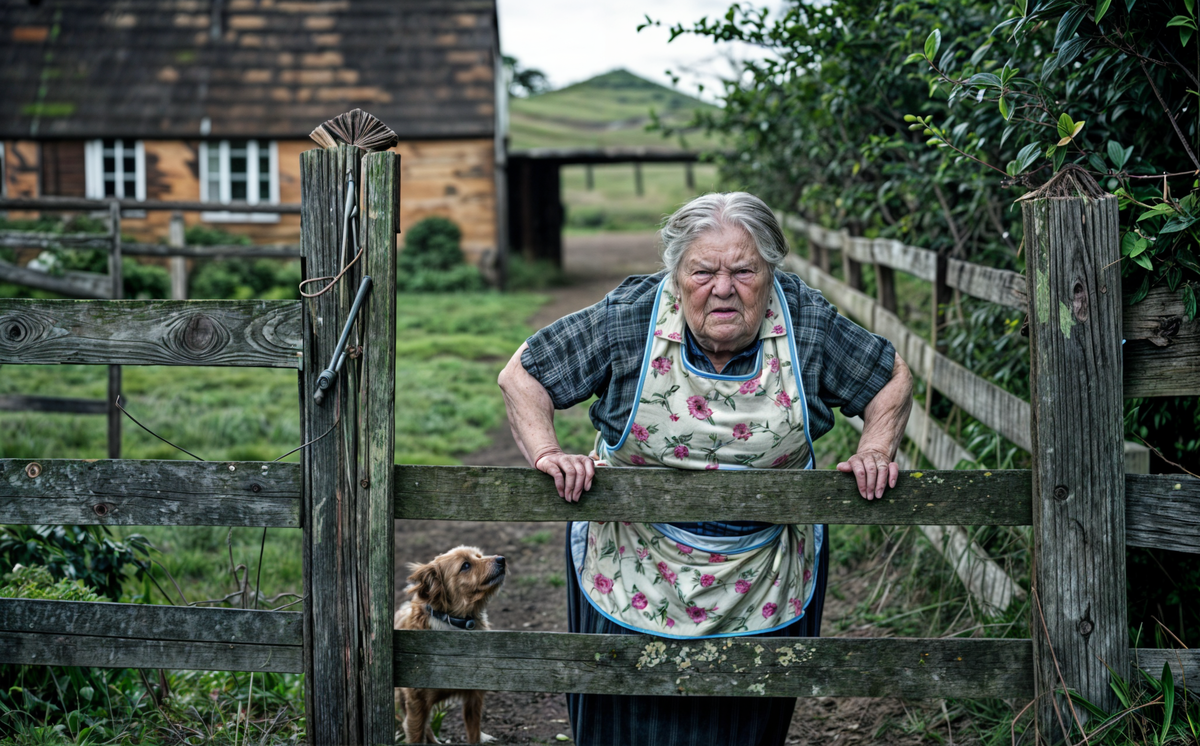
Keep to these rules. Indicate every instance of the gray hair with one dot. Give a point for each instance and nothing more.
(711, 211)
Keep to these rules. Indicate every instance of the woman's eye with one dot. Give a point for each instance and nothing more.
(466, 566)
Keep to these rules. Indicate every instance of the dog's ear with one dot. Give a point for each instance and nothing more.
(427, 583)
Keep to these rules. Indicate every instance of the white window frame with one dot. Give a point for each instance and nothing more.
(93, 157)
(253, 195)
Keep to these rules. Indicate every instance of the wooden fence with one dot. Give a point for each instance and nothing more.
(75, 284)
(347, 491)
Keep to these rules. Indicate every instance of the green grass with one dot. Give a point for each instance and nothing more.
(613, 202)
(612, 109)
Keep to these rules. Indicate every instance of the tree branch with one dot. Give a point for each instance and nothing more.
(1167, 111)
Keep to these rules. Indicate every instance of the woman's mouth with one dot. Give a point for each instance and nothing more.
(724, 313)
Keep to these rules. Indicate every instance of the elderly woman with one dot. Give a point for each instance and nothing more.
(722, 361)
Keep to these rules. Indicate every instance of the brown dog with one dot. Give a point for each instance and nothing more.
(450, 593)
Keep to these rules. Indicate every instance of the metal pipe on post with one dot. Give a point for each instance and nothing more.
(116, 273)
(347, 495)
(1079, 618)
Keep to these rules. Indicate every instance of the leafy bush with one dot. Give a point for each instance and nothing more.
(432, 260)
(271, 279)
(535, 275)
(83, 553)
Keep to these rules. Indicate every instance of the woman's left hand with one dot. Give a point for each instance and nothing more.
(873, 471)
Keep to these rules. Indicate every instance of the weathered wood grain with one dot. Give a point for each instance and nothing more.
(996, 285)
(272, 251)
(37, 649)
(18, 403)
(149, 493)
(738, 667)
(894, 254)
(996, 498)
(1162, 351)
(1162, 511)
(375, 553)
(1185, 664)
(71, 283)
(1080, 619)
(35, 240)
(151, 622)
(157, 332)
(1005, 413)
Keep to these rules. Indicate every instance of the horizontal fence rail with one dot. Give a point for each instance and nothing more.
(472, 493)
(77, 203)
(35, 240)
(746, 667)
(1162, 511)
(70, 283)
(108, 635)
(133, 492)
(1162, 351)
(57, 404)
(254, 333)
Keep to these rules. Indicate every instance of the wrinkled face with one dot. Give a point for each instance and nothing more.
(724, 283)
(459, 582)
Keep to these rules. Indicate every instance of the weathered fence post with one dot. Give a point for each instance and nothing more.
(177, 239)
(1079, 622)
(117, 275)
(347, 509)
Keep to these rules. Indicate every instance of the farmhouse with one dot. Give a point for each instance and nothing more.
(213, 101)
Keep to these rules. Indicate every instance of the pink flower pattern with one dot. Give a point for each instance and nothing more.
(602, 584)
(642, 552)
(774, 365)
(670, 622)
(675, 336)
(666, 573)
(637, 459)
(716, 558)
(697, 614)
(783, 399)
(751, 386)
(781, 460)
(778, 329)
(681, 452)
(741, 432)
(683, 548)
(698, 407)
(706, 580)
(674, 417)
(639, 432)
(769, 610)
(742, 586)
(639, 600)
(661, 365)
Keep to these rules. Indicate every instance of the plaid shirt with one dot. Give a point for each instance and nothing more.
(599, 351)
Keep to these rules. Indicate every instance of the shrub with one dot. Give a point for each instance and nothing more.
(271, 279)
(432, 260)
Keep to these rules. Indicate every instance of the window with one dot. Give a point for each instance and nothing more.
(239, 171)
(115, 168)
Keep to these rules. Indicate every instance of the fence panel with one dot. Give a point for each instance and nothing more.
(149, 493)
(255, 333)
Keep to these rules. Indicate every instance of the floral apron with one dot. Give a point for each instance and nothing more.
(664, 580)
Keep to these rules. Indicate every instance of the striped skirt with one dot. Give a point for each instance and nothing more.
(624, 720)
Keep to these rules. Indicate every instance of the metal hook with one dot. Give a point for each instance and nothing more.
(329, 375)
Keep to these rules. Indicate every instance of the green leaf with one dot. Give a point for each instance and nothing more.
(1068, 24)
(1101, 9)
(984, 79)
(1078, 126)
(1182, 21)
(1096, 162)
(1027, 156)
(1051, 150)
(932, 43)
(1174, 225)
(1139, 246)
(1185, 35)
(1066, 125)
(1189, 301)
(1144, 261)
(1168, 681)
(1187, 260)
(1116, 155)
(1191, 7)
(1059, 157)
(1004, 111)
(913, 56)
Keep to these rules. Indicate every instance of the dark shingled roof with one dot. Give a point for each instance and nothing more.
(253, 68)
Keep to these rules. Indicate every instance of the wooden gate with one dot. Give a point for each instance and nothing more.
(346, 492)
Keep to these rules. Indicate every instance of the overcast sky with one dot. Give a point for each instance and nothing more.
(572, 41)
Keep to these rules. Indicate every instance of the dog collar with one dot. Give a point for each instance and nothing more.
(454, 621)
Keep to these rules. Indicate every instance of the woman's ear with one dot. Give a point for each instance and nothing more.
(426, 583)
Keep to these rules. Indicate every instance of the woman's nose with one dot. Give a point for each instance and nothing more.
(723, 285)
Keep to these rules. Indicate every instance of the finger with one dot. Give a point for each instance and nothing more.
(844, 466)
(589, 467)
(552, 469)
(893, 473)
(860, 474)
(569, 479)
(872, 473)
(881, 479)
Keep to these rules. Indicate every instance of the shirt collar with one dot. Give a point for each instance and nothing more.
(700, 360)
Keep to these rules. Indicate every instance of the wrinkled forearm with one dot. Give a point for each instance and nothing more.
(530, 410)
(886, 415)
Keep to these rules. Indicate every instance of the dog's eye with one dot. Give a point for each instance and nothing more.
(466, 566)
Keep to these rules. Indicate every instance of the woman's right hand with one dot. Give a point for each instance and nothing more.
(572, 473)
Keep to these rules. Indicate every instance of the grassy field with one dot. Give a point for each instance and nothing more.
(613, 204)
(609, 110)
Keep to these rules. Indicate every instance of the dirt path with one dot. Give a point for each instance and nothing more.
(533, 597)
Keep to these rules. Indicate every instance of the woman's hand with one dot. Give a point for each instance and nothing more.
(572, 473)
(873, 471)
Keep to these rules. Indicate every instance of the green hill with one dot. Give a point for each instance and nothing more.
(612, 109)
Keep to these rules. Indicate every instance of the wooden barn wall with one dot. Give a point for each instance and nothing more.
(449, 178)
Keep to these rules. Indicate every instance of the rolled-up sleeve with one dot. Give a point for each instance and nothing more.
(571, 358)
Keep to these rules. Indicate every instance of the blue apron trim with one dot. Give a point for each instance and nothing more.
(791, 338)
(818, 537)
(687, 365)
(720, 544)
(604, 448)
